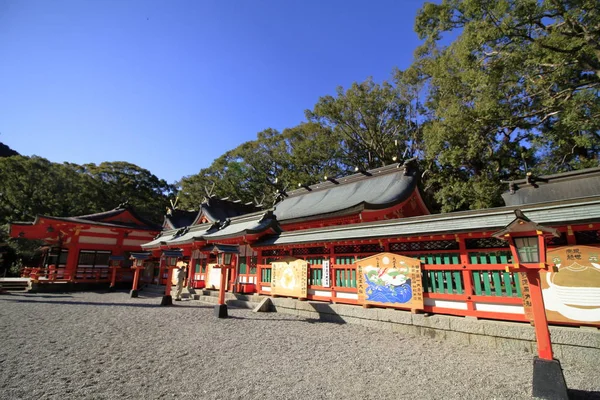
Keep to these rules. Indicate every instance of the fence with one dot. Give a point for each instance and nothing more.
(474, 283)
(82, 274)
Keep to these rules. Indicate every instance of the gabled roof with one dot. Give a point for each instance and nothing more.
(256, 223)
(123, 216)
(563, 186)
(215, 209)
(179, 218)
(573, 211)
(212, 209)
(179, 236)
(371, 190)
(251, 224)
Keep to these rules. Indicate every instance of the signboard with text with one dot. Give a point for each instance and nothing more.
(289, 277)
(326, 280)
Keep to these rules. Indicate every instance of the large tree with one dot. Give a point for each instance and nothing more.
(515, 91)
(276, 161)
(372, 121)
(121, 181)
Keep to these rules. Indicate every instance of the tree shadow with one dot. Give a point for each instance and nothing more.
(93, 303)
(576, 394)
(39, 296)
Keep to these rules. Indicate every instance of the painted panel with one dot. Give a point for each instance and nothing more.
(289, 277)
(97, 240)
(391, 280)
(501, 308)
(572, 294)
(342, 295)
(213, 277)
(321, 293)
(456, 305)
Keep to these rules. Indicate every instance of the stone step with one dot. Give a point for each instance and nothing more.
(232, 299)
(14, 284)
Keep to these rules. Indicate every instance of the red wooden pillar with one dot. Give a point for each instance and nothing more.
(222, 286)
(467, 276)
(191, 271)
(332, 271)
(113, 276)
(72, 261)
(233, 276)
(161, 267)
(540, 321)
(136, 278)
(221, 307)
(167, 298)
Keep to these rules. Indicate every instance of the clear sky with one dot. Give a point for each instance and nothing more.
(170, 85)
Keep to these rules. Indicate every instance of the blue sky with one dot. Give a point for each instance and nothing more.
(171, 85)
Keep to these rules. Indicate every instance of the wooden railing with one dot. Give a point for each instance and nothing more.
(82, 274)
(479, 287)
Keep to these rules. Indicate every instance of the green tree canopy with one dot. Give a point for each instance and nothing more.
(372, 121)
(516, 90)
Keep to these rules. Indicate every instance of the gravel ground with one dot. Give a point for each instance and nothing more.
(108, 346)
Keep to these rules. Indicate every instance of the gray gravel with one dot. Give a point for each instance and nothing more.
(107, 346)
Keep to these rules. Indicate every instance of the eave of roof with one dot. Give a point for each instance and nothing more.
(578, 210)
(76, 220)
(255, 223)
(566, 185)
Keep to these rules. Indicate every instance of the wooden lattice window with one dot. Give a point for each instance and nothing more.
(273, 252)
(424, 245)
(359, 248)
(486, 243)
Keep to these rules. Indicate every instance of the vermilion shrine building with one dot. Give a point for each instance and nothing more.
(81, 249)
(346, 240)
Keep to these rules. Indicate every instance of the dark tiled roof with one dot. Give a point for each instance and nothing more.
(377, 189)
(102, 217)
(215, 209)
(561, 212)
(179, 219)
(568, 185)
(230, 228)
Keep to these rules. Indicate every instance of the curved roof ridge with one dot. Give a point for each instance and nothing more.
(375, 189)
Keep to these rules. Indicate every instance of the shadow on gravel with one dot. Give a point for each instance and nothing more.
(91, 303)
(265, 319)
(39, 296)
(575, 394)
(327, 321)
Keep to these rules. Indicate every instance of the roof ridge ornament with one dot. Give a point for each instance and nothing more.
(123, 205)
(224, 224)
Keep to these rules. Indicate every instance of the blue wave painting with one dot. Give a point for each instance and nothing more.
(388, 293)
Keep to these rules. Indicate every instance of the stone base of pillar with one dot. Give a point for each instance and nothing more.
(221, 311)
(133, 293)
(167, 300)
(549, 380)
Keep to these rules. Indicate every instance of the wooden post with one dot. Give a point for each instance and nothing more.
(167, 299)
(113, 277)
(136, 278)
(540, 322)
(222, 285)
(221, 307)
(191, 271)
(72, 262)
